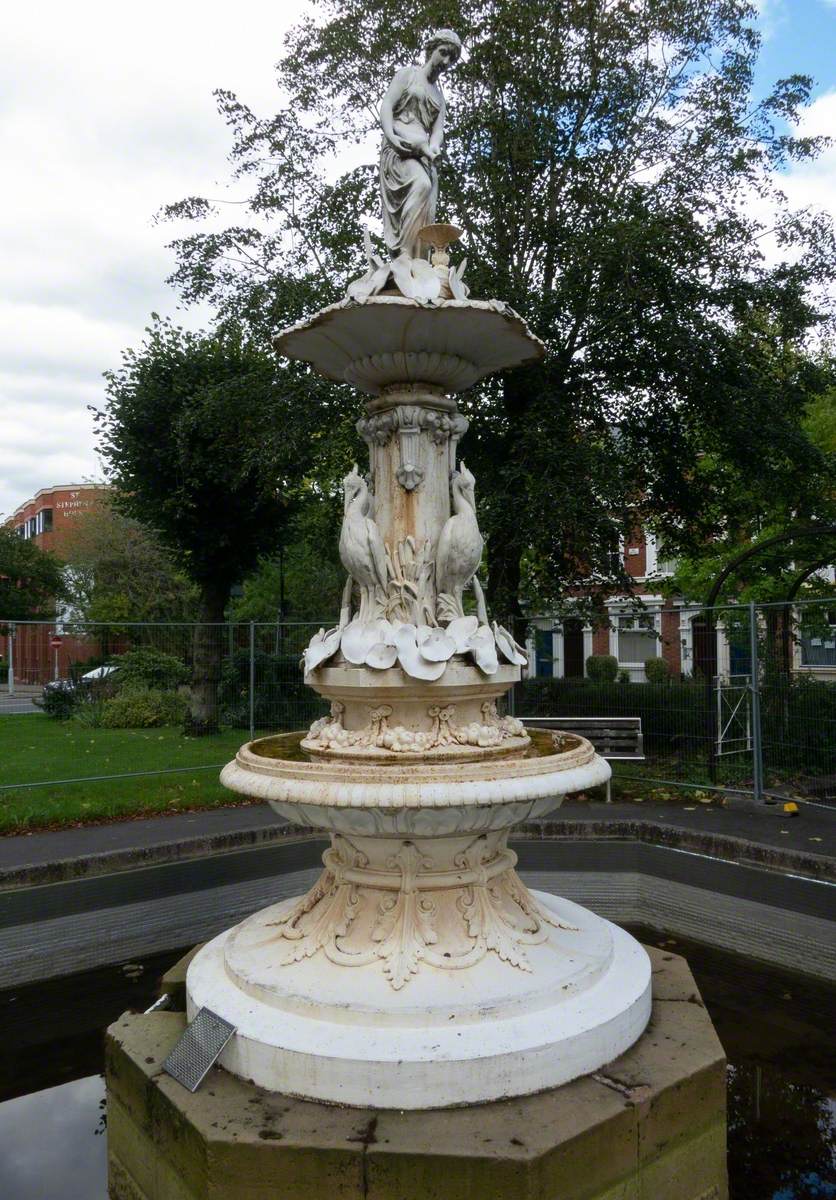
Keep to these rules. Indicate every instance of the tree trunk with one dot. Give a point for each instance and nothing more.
(206, 672)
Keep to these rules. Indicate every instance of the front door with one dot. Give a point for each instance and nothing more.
(573, 648)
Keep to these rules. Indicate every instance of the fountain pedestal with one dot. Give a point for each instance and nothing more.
(419, 972)
(649, 1126)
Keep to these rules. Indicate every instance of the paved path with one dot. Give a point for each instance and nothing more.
(806, 843)
(19, 703)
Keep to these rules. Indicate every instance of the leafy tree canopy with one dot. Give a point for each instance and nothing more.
(31, 580)
(616, 184)
(206, 442)
(119, 571)
(305, 582)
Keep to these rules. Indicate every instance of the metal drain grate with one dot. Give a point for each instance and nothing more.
(198, 1048)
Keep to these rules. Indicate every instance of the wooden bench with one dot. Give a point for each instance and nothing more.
(614, 738)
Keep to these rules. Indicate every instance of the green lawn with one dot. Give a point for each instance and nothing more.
(35, 748)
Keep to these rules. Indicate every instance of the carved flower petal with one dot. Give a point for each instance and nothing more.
(417, 666)
(322, 646)
(483, 648)
(382, 656)
(437, 646)
(369, 284)
(358, 639)
(461, 630)
(406, 637)
(410, 657)
(507, 647)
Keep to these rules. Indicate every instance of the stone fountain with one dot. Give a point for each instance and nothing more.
(419, 972)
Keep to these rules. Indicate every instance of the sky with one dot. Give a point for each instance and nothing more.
(106, 113)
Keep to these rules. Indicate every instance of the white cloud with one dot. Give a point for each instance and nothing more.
(813, 183)
(106, 113)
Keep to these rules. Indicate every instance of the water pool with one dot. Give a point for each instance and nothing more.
(777, 1030)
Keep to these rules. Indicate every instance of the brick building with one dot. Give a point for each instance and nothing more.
(48, 520)
(663, 627)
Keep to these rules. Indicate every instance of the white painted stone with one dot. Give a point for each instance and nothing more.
(390, 340)
(450, 1037)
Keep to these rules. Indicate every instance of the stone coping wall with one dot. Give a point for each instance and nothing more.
(650, 1126)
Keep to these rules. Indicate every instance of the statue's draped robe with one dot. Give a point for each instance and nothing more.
(409, 186)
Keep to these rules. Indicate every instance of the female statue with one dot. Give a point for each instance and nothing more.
(412, 117)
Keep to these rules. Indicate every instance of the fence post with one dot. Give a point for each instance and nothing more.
(754, 677)
(10, 640)
(252, 680)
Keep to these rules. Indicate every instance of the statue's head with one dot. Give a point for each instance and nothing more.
(463, 480)
(354, 485)
(443, 48)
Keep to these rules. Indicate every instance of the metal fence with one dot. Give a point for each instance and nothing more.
(740, 697)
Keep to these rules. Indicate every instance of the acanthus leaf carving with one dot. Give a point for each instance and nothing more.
(404, 927)
(488, 910)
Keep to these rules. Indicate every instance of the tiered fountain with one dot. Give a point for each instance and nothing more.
(419, 971)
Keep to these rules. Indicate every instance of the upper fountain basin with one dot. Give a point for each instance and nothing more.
(428, 799)
(390, 340)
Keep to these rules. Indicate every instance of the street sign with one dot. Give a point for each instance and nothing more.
(55, 642)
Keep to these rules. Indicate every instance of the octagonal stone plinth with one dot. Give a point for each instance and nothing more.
(649, 1126)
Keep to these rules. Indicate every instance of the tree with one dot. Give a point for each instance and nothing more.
(305, 580)
(750, 515)
(616, 183)
(118, 571)
(31, 580)
(206, 439)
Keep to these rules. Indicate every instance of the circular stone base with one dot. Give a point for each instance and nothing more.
(491, 1030)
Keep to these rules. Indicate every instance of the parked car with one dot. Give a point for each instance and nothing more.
(86, 681)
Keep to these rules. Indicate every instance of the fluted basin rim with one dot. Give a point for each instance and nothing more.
(432, 785)
(388, 340)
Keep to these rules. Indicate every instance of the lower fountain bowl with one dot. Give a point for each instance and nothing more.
(419, 972)
(324, 1031)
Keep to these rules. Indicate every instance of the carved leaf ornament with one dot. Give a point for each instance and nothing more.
(417, 915)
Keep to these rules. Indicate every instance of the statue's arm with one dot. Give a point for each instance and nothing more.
(387, 114)
(437, 132)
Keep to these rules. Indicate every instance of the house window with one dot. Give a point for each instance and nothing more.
(818, 644)
(637, 640)
(665, 563)
(46, 516)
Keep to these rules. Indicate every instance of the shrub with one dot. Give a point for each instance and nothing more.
(147, 668)
(57, 702)
(89, 710)
(602, 668)
(282, 701)
(656, 670)
(623, 676)
(143, 708)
